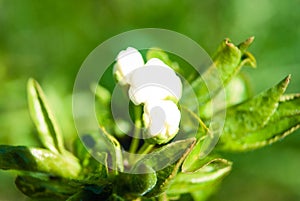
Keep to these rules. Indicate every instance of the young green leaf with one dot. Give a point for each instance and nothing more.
(289, 105)
(166, 175)
(252, 114)
(51, 188)
(103, 108)
(163, 56)
(236, 91)
(136, 185)
(193, 161)
(204, 178)
(115, 150)
(36, 160)
(228, 61)
(92, 169)
(103, 147)
(43, 119)
(91, 193)
(285, 120)
(274, 126)
(193, 157)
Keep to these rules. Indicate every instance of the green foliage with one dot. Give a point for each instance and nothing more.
(53, 172)
(43, 118)
(251, 124)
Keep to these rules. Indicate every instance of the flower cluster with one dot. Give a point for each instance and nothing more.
(155, 85)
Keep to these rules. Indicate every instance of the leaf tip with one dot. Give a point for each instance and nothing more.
(246, 44)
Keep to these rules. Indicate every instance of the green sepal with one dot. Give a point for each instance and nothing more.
(36, 160)
(48, 130)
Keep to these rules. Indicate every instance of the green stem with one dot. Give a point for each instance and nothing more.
(202, 124)
(146, 148)
(138, 123)
(135, 140)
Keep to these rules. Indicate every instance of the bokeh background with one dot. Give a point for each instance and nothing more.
(49, 40)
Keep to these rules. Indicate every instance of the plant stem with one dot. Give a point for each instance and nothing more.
(135, 140)
(202, 124)
(146, 148)
(138, 123)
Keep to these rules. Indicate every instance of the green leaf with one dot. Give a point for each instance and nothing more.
(115, 150)
(289, 105)
(163, 56)
(103, 147)
(204, 178)
(36, 160)
(193, 157)
(254, 113)
(43, 119)
(274, 117)
(92, 169)
(103, 108)
(166, 175)
(203, 195)
(236, 91)
(91, 193)
(135, 185)
(285, 120)
(165, 155)
(54, 188)
(228, 61)
(195, 161)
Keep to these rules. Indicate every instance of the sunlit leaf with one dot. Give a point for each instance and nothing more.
(137, 184)
(267, 126)
(92, 169)
(54, 188)
(103, 147)
(285, 120)
(102, 105)
(48, 131)
(204, 178)
(166, 175)
(36, 160)
(252, 114)
(91, 193)
(163, 56)
(228, 61)
(236, 91)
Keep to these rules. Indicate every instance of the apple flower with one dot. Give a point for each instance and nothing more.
(127, 61)
(161, 119)
(154, 81)
(155, 85)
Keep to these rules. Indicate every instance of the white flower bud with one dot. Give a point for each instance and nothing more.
(155, 81)
(161, 119)
(127, 61)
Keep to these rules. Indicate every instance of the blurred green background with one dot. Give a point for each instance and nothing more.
(48, 40)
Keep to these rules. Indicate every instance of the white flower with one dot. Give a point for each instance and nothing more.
(155, 81)
(127, 61)
(161, 119)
